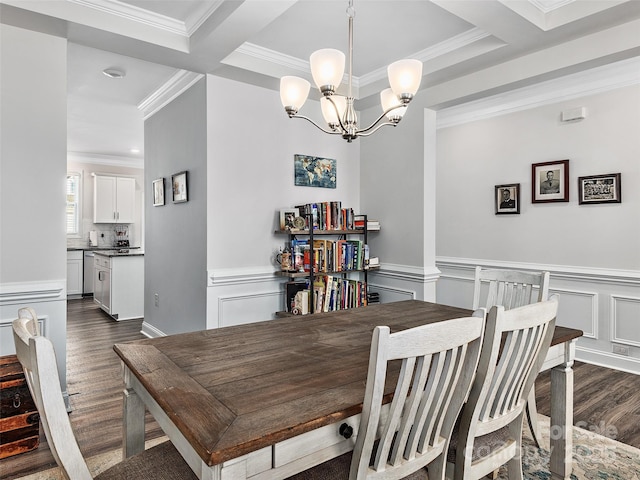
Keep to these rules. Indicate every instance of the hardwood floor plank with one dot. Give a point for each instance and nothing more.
(606, 401)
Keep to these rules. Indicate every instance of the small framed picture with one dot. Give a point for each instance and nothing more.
(179, 187)
(550, 182)
(158, 192)
(599, 189)
(507, 198)
(288, 219)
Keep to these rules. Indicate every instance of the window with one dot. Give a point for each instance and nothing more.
(73, 212)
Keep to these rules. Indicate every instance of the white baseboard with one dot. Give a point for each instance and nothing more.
(150, 331)
(609, 360)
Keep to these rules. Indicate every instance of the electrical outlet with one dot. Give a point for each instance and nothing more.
(156, 299)
(620, 349)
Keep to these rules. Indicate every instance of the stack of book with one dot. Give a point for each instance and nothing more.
(373, 297)
(327, 216)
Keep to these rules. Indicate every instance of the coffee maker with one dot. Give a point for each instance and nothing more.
(121, 236)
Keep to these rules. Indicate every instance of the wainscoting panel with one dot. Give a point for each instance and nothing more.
(604, 304)
(578, 309)
(249, 308)
(625, 316)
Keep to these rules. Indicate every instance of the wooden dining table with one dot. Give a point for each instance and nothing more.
(265, 400)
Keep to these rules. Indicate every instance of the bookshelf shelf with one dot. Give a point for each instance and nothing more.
(316, 277)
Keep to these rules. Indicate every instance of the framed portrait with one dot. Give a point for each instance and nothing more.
(599, 189)
(550, 182)
(288, 219)
(158, 192)
(179, 187)
(314, 171)
(507, 198)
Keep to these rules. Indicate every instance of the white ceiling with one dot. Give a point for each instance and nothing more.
(469, 48)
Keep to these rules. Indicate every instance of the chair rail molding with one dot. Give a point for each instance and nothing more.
(24, 292)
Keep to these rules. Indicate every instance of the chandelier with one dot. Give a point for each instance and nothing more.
(327, 68)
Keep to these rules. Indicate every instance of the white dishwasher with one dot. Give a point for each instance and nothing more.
(87, 283)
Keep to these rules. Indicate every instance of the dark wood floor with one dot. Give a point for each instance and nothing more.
(606, 401)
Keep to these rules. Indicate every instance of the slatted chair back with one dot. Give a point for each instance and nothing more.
(509, 288)
(437, 365)
(515, 345)
(38, 360)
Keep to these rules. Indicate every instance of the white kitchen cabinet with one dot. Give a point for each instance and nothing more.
(119, 284)
(114, 199)
(74, 273)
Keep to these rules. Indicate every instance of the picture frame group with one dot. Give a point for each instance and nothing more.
(178, 189)
(550, 183)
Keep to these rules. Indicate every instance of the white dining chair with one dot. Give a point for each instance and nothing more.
(489, 433)
(37, 356)
(511, 289)
(437, 365)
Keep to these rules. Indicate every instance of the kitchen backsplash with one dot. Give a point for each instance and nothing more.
(106, 236)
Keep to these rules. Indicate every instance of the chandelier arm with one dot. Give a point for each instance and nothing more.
(361, 133)
(335, 107)
(378, 121)
(315, 124)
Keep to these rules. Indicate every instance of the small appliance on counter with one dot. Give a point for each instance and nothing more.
(122, 236)
(93, 238)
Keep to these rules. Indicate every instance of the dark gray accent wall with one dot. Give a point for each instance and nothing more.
(176, 233)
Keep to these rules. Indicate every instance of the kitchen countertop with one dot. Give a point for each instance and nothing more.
(125, 252)
(93, 249)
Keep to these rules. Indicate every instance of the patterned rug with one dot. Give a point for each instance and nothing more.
(596, 457)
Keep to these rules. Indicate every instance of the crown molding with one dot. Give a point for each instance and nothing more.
(173, 88)
(111, 160)
(198, 17)
(590, 82)
(136, 14)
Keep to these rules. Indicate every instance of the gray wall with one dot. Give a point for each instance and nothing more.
(476, 156)
(175, 234)
(33, 166)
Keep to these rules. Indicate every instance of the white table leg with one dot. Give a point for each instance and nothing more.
(561, 432)
(132, 420)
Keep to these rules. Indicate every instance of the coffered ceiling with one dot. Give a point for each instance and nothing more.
(469, 48)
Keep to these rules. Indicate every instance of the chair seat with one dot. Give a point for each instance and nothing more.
(161, 462)
(483, 446)
(338, 469)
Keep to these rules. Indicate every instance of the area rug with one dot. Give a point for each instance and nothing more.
(596, 457)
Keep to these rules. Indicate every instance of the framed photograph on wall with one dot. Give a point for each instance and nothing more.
(179, 187)
(507, 199)
(550, 182)
(158, 192)
(599, 189)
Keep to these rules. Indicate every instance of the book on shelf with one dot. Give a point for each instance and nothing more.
(372, 225)
(327, 216)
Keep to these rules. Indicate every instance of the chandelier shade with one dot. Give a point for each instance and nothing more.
(392, 105)
(327, 69)
(293, 92)
(405, 76)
